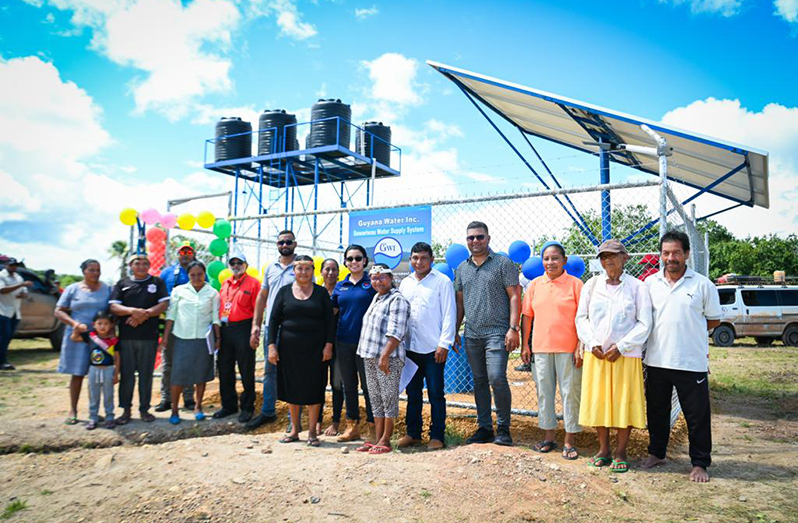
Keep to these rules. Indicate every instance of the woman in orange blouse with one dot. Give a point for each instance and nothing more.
(551, 301)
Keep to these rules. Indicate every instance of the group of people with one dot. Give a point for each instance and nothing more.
(592, 340)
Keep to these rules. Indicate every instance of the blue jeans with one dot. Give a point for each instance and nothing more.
(7, 328)
(433, 374)
(269, 379)
(488, 360)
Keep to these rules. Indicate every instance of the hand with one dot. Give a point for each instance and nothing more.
(511, 340)
(27, 284)
(116, 378)
(526, 355)
(385, 364)
(577, 360)
(254, 337)
(597, 352)
(457, 343)
(273, 356)
(613, 353)
(441, 354)
(139, 315)
(132, 321)
(327, 354)
(80, 327)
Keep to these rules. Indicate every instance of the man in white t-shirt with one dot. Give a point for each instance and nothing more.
(686, 305)
(13, 289)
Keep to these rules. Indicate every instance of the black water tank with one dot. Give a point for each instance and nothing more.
(271, 140)
(236, 146)
(324, 133)
(381, 139)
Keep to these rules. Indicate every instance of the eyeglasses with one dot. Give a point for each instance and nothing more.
(236, 263)
(285, 242)
(354, 258)
(476, 237)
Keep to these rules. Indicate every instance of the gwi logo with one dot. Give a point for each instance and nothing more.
(388, 251)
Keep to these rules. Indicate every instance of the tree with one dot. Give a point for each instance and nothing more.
(119, 250)
(624, 222)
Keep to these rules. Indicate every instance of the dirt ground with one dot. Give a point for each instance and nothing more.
(211, 471)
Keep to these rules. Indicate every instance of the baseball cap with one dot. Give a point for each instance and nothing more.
(238, 256)
(185, 247)
(612, 246)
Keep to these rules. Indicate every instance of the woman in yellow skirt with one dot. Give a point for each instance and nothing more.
(613, 321)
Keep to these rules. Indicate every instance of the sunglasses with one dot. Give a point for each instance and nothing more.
(354, 258)
(236, 263)
(285, 242)
(475, 237)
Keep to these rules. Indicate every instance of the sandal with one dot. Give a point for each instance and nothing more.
(566, 453)
(313, 442)
(288, 439)
(147, 417)
(123, 420)
(619, 466)
(71, 420)
(379, 449)
(545, 446)
(366, 447)
(598, 462)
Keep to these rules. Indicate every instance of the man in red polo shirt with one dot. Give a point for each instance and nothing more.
(237, 307)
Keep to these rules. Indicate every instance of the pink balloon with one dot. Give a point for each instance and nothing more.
(150, 216)
(168, 220)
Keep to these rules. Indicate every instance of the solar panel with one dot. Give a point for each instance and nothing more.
(732, 171)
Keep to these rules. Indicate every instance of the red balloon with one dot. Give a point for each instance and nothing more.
(156, 235)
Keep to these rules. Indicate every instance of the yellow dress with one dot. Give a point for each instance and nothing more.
(612, 393)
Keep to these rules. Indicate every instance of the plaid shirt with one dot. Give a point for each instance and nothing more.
(388, 315)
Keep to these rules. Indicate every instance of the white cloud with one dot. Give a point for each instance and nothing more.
(393, 78)
(362, 14)
(773, 129)
(181, 50)
(288, 16)
(722, 7)
(787, 9)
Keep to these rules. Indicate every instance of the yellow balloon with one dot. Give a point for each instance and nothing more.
(206, 219)
(128, 216)
(343, 272)
(252, 271)
(225, 274)
(186, 221)
(317, 261)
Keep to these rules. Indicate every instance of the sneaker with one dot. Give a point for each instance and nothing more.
(482, 435)
(245, 416)
(259, 420)
(503, 437)
(524, 367)
(109, 424)
(163, 406)
(7, 366)
(223, 413)
(91, 425)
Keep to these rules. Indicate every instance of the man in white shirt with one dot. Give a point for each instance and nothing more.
(685, 305)
(433, 316)
(12, 290)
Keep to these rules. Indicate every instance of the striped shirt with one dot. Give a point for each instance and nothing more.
(388, 316)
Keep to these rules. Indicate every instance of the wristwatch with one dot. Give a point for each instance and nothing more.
(516, 328)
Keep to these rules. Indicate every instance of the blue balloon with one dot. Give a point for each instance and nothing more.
(575, 266)
(456, 254)
(519, 251)
(532, 268)
(444, 269)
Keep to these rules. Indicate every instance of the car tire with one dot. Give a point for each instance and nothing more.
(723, 336)
(57, 337)
(790, 336)
(764, 341)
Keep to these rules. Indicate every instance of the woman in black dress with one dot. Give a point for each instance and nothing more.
(301, 335)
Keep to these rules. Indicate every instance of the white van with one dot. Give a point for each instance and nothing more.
(766, 312)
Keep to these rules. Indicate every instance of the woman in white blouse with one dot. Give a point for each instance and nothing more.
(613, 321)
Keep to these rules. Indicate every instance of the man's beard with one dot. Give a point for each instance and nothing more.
(286, 251)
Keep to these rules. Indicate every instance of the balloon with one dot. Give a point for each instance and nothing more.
(215, 284)
(150, 216)
(519, 251)
(206, 219)
(317, 262)
(224, 275)
(156, 235)
(222, 229)
(156, 248)
(575, 266)
(533, 267)
(444, 269)
(252, 271)
(218, 247)
(456, 254)
(128, 216)
(343, 272)
(186, 221)
(168, 220)
(214, 268)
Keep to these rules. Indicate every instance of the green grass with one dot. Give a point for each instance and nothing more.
(426, 494)
(13, 507)
(452, 438)
(45, 492)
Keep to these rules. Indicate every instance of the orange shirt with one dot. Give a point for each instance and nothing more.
(237, 298)
(553, 304)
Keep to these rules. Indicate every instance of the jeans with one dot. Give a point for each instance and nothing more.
(101, 382)
(166, 375)
(432, 372)
(235, 348)
(488, 360)
(337, 384)
(136, 356)
(269, 379)
(7, 328)
(352, 368)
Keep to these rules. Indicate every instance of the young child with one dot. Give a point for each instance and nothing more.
(103, 367)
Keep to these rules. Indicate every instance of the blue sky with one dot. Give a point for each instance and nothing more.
(107, 103)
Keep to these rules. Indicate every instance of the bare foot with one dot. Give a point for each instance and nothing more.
(652, 461)
(332, 430)
(699, 475)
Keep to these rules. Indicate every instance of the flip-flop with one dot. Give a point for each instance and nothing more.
(379, 449)
(547, 445)
(614, 467)
(366, 447)
(567, 450)
(199, 416)
(313, 442)
(71, 420)
(598, 462)
(288, 439)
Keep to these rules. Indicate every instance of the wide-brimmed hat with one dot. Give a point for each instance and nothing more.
(612, 246)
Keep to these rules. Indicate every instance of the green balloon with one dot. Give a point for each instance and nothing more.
(218, 247)
(215, 284)
(222, 229)
(214, 268)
